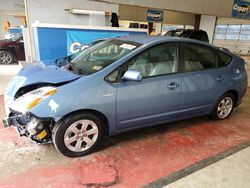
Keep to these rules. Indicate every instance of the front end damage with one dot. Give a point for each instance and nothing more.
(33, 84)
(38, 130)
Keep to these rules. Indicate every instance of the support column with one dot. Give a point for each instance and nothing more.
(150, 27)
(207, 23)
(197, 21)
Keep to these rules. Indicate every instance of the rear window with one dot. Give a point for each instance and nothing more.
(224, 59)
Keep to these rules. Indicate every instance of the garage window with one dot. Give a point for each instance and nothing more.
(234, 37)
(245, 32)
(232, 32)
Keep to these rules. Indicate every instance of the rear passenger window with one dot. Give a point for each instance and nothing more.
(224, 59)
(197, 57)
(157, 60)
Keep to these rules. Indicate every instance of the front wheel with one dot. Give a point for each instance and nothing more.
(78, 134)
(224, 107)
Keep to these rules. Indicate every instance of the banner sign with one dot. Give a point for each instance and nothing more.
(52, 43)
(241, 9)
(155, 15)
(78, 40)
(15, 30)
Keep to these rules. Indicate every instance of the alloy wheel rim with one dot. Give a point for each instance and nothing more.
(225, 107)
(81, 135)
(5, 58)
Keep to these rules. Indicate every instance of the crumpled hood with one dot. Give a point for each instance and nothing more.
(38, 73)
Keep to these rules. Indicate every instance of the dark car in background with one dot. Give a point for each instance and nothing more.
(12, 50)
(189, 33)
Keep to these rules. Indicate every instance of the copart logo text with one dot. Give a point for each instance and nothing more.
(76, 47)
(241, 9)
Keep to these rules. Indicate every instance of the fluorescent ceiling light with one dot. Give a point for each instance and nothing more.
(81, 11)
(20, 14)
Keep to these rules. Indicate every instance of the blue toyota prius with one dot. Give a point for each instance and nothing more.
(122, 84)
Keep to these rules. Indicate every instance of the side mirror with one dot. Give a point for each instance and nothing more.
(132, 75)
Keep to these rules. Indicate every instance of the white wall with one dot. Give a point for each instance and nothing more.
(207, 23)
(16, 22)
(10, 7)
(3, 18)
(47, 11)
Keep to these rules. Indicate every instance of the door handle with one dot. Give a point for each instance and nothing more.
(173, 85)
(220, 78)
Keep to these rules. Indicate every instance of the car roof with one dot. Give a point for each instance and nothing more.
(142, 39)
(180, 29)
(147, 39)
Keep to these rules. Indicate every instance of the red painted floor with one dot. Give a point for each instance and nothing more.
(128, 160)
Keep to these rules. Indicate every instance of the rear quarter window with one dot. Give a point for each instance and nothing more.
(224, 59)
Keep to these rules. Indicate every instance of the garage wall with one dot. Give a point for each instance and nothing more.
(13, 21)
(139, 14)
(182, 18)
(222, 20)
(47, 11)
(207, 24)
(211, 7)
(10, 7)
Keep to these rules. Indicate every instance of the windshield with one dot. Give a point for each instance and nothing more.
(101, 55)
(73, 56)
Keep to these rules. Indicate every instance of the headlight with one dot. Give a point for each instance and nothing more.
(32, 98)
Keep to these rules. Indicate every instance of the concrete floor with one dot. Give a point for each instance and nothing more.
(233, 171)
(139, 158)
(6, 73)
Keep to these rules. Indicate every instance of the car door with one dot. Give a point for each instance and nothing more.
(155, 99)
(203, 81)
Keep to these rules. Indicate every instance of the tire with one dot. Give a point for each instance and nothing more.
(224, 109)
(78, 134)
(6, 57)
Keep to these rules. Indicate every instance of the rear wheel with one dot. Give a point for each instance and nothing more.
(224, 107)
(78, 134)
(6, 57)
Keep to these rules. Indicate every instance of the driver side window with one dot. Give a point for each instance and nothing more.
(155, 61)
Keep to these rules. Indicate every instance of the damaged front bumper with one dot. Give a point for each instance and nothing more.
(39, 130)
(6, 122)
